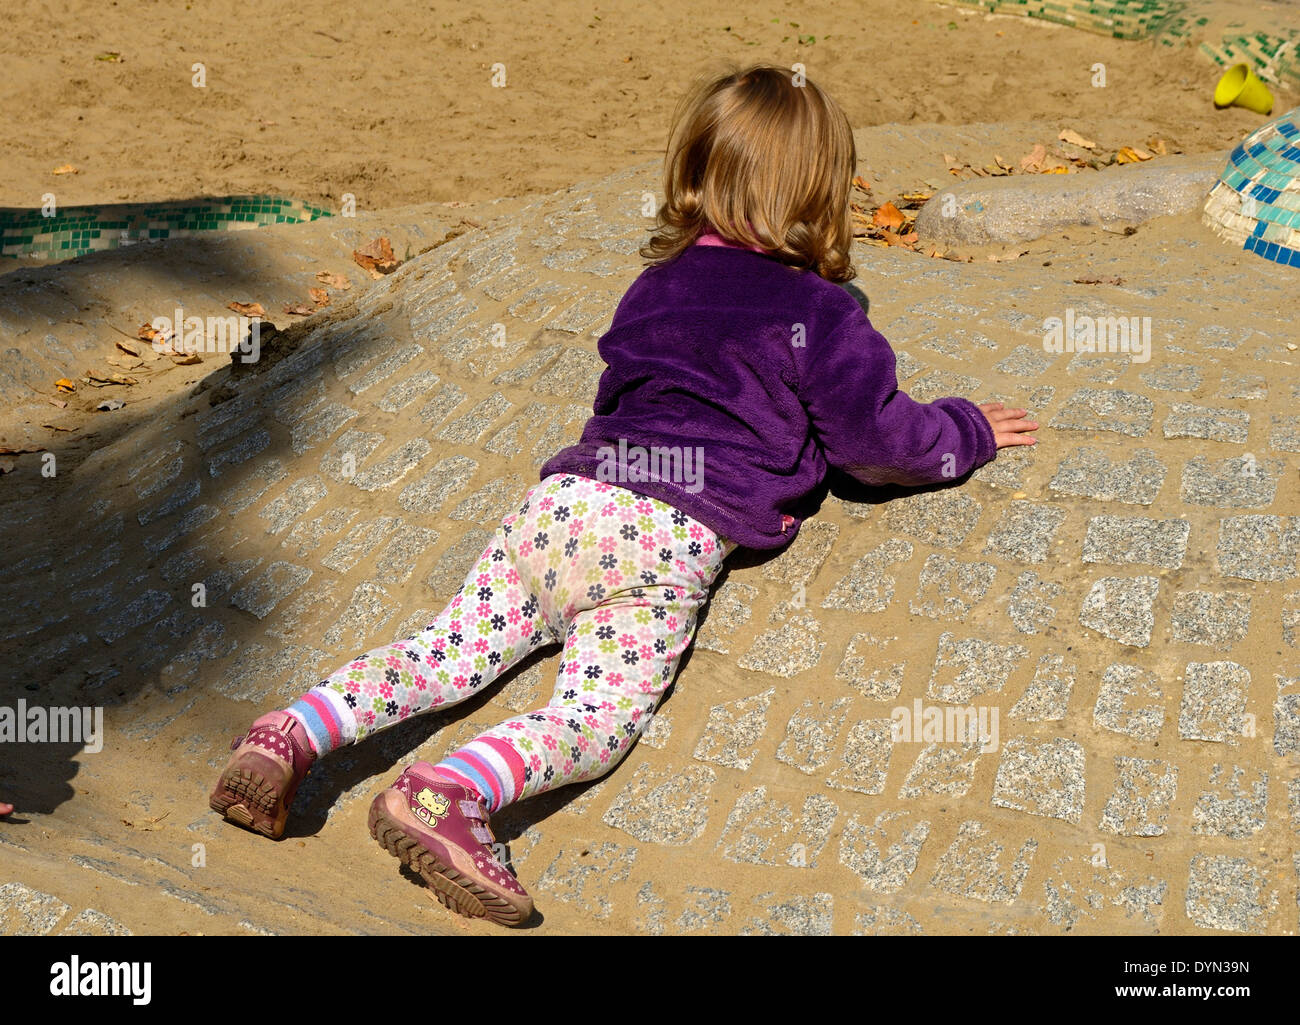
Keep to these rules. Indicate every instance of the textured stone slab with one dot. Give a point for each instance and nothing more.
(1122, 608)
(1123, 540)
(1041, 778)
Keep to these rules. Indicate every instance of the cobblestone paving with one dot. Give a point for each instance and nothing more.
(1120, 605)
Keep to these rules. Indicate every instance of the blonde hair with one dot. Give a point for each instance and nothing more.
(762, 161)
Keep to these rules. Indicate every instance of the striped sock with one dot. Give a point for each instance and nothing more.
(490, 767)
(326, 717)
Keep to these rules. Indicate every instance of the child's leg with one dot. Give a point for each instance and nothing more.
(491, 624)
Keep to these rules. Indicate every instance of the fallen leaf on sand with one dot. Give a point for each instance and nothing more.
(58, 402)
(58, 427)
(65, 386)
(916, 198)
(861, 183)
(108, 405)
(1094, 280)
(94, 375)
(111, 56)
(1033, 160)
(332, 280)
(319, 296)
(1075, 139)
(148, 825)
(299, 310)
(64, 169)
(907, 241)
(184, 359)
(1158, 147)
(888, 216)
(1129, 155)
(376, 257)
(247, 309)
(1056, 170)
(1001, 163)
(129, 350)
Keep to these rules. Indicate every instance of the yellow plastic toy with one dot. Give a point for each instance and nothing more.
(1241, 87)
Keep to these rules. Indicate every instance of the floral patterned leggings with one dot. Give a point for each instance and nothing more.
(619, 578)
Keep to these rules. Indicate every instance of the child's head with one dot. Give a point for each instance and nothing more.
(764, 158)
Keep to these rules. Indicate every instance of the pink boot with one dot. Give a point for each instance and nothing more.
(440, 829)
(258, 783)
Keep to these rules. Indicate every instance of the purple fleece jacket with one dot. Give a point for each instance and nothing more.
(734, 381)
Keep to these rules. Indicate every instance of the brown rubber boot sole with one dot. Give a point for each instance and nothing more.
(455, 890)
(247, 799)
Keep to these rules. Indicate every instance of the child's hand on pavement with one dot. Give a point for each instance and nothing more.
(1009, 425)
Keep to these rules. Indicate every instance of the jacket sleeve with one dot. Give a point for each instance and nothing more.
(848, 384)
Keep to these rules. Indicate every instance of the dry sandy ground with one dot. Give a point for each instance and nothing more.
(393, 102)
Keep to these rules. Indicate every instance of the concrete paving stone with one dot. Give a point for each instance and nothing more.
(1024, 531)
(385, 368)
(1242, 386)
(1025, 361)
(1255, 547)
(1028, 603)
(247, 447)
(1214, 701)
(1145, 789)
(971, 666)
(1219, 619)
(800, 562)
(1089, 473)
(764, 831)
(441, 406)
(562, 431)
(1124, 540)
(583, 875)
(182, 496)
(940, 383)
(157, 470)
(1211, 424)
(393, 467)
(1047, 697)
(454, 564)
(1227, 893)
(540, 301)
(883, 920)
(879, 682)
(434, 323)
(398, 559)
(956, 342)
(733, 730)
(1237, 805)
(360, 541)
(1240, 483)
(1286, 716)
(729, 608)
(266, 473)
(590, 308)
(142, 609)
(657, 732)
(28, 912)
(406, 391)
(342, 460)
(1291, 619)
(575, 373)
(1008, 470)
(974, 866)
(884, 853)
(941, 770)
(321, 424)
(295, 400)
(795, 916)
(1284, 434)
(1081, 888)
(534, 365)
(1184, 377)
(468, 428)
(1106, 409)
(298, 499)
(1044, 778)
(297, 621)
(669, 807)
(307, 535)
(867, 587)
(219, 582)
(444, 479)
(1122, 608)
(1293, 804)
(812, 733)
(209, 645)
(262, 595)
(864, 764)
(94, 923)
(493, 502)
(949, 589)
(1130, 702)
(1097, 369)
(794, 648)
(907, 365)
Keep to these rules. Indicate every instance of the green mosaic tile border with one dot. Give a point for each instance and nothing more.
(72, 231)
(1273, 51)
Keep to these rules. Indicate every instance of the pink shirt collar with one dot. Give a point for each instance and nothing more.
(712, 238)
